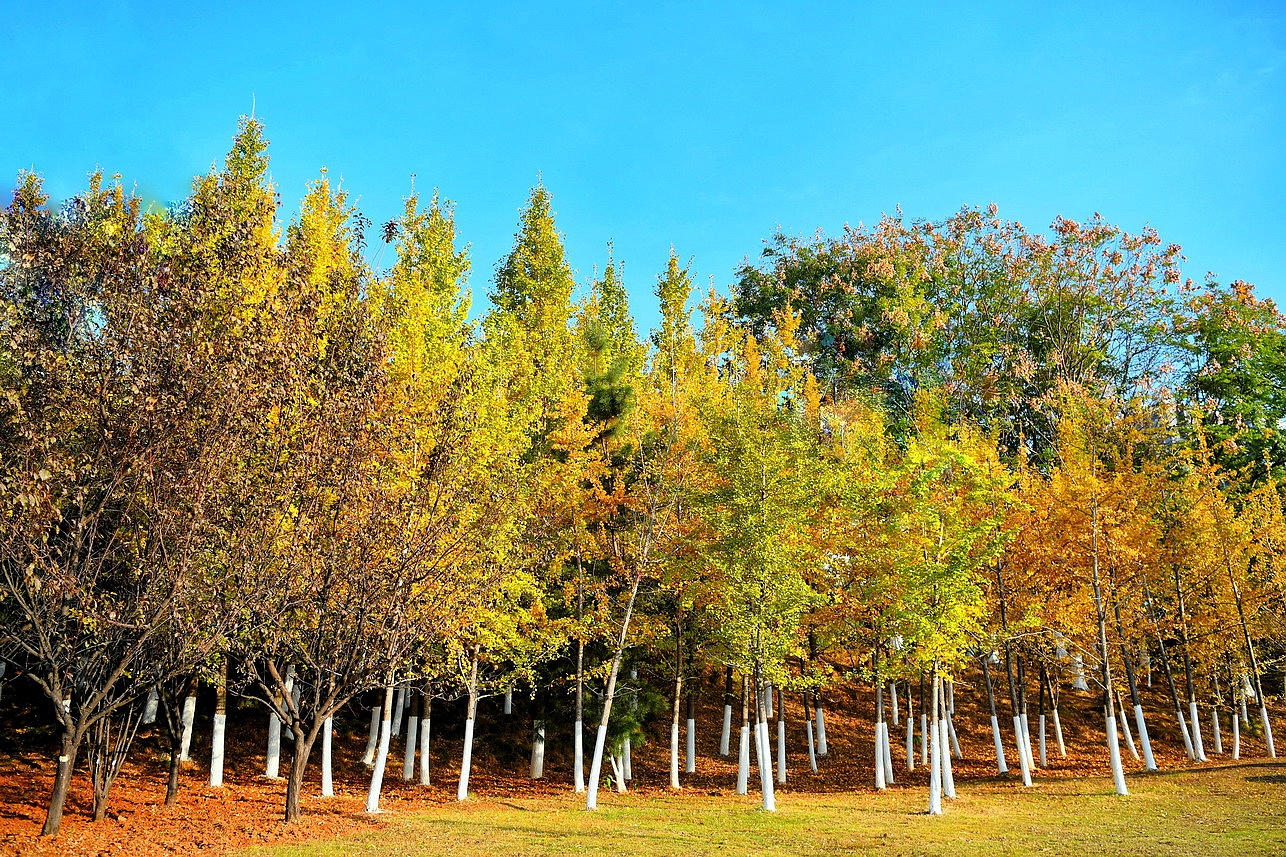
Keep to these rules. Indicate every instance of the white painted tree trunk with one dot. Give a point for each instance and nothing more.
(381, 755)
(1058, 734)
(216, 750)
(189, 719)
(412, 744)
(1129, 737)
(1236, 737)
(509, 702)
(893, 700)
(781, 750)
(821, 730)
(743, 760)
(1044, 760)
(910, 741)
(470, 714)
(1145, 741)
(1078, 664)
(880, 784)
(935, 759)
(578, 755)
(372, 738)
(399, 707)
(272, 769)
(1002, 766)
(948, 778)
(1114, 753)
(690, 748)
(955, 740)
(618, 765)
(596, 767)
(1214, 726)
(1268, 731)
(1187, 736)
(888, 754)
(767, 698)
(808, 730)
(674, 754)
(426, 735)
(538, 750)
(615, 762)
(462, 790)
(925, 741)
(764, 754)
(149, 707)
(327, 781)
(882, 750)
(1026, 729)
(1194, 718)
(1023, 765)
(727, 729)
(627, 760)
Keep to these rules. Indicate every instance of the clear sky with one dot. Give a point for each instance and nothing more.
(704, 126)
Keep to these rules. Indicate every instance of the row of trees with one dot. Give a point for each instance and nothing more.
(268, 457)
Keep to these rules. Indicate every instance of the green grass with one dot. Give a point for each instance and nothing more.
(1238, 809)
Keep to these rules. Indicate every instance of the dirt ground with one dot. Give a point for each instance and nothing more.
(247, 809)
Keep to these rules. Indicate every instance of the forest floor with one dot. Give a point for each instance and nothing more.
(1218, 807)
(1239, 808)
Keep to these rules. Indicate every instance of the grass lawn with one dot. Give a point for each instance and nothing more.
(1232, 809)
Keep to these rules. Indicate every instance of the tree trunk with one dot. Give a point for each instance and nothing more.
(578, 728)
(462, 790)
(1001, 765)
(1136, 702)
(373, 736)
(676, 702)
(426, 721)
(743, 754)
(910, 729)
(935, 753)
(381, 756)
(880, 785)
(412, 737)
(303, 748)
(189, 720)
(1114, 749)
(1169, 673)
(399, 709)
(764, 748)
(1194, 720)
(328, 738)
(808, 730)
(1024, 764)
(62, 779)
(219, 729)
(600, 739)
(781, 736)
(944, 723)
(538, 740)
(727, 712)
(690, 760)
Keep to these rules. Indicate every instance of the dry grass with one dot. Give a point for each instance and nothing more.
(1238, 808)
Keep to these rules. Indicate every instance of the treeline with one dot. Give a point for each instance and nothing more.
(237, 452)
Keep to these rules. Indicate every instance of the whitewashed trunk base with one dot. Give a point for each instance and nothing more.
(216, 750)
(327, 781)
(1001, 765)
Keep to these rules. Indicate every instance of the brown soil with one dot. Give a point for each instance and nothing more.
(247, 810)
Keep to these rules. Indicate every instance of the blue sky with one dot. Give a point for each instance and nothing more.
(705, 126)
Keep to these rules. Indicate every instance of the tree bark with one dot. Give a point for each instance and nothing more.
(219, 728)
(462, 790)
(381, 756)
